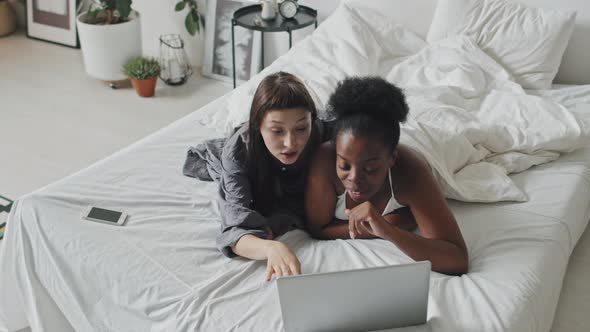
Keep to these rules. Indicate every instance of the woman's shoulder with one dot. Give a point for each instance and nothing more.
(411, 160)
(323, 166)
(324, 160)
(236, 145)
(325, 153)
(411, 169)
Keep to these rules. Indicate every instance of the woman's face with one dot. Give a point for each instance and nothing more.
(362, 165)
(286, 132)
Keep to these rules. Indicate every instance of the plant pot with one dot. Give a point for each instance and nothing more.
(7, 19)
(145, 88)
(106, 48)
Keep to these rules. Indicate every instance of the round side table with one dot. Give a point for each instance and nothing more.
(249, 17)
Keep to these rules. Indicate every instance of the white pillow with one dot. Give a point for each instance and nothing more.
(528, 42)
(399, 11)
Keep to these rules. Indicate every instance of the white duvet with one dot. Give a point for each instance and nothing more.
(475, 125)
(468, 117)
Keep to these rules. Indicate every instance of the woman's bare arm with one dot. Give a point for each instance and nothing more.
(402, 218)
(281, 261)
(320, 196)
(252, 247)
(441, 240)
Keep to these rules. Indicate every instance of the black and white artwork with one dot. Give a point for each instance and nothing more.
(53, 21)
(52, 12)
(218, 43)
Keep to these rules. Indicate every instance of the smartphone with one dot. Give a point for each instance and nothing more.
(104, 216)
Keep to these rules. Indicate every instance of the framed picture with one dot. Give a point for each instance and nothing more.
(53, 21)
(217, 61)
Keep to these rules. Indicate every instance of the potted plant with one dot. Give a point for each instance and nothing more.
(143, 73)
(194, 20)
(110, 34)
(7, 18)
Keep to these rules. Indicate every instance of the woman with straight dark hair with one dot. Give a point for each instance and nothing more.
(263, 173)
(365, 184)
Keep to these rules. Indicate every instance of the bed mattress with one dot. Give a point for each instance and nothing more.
(162, 271)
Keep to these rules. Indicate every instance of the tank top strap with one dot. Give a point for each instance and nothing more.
(392, 204)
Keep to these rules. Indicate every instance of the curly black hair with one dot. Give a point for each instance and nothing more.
(369, 107)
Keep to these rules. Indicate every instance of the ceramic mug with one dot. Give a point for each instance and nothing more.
(268, 10)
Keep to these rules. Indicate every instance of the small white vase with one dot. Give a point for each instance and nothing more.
(268, 10)
(106, 48)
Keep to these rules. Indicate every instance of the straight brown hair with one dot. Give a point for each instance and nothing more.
(278, 91)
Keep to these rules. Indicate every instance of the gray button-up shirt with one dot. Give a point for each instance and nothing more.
(235, 193)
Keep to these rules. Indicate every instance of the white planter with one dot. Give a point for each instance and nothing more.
(106, 48)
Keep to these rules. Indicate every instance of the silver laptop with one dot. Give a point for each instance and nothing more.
(356, 300)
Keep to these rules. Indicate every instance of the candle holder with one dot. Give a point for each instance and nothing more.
(175, 68)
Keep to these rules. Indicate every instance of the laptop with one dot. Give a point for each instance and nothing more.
(356, 300)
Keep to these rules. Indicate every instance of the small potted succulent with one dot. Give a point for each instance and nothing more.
(143, 73)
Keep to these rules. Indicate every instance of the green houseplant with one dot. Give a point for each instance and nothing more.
(108, 12)
(143, 73)
(110, 34)
(194, 20)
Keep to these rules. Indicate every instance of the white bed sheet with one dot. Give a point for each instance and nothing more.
(162, 272)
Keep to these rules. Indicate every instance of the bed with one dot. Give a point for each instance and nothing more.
(162, 271)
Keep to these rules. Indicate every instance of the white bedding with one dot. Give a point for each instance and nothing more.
(475, 124)
(162, 271)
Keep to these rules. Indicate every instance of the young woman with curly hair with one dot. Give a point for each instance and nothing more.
(364, 184)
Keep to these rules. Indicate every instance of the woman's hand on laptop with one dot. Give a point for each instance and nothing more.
(281, 261)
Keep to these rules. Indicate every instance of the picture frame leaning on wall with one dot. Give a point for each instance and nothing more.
(217, 60)
(53, 21)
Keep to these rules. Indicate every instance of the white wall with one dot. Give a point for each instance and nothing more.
(158, 17)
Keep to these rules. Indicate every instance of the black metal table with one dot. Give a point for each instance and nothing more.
(249, 17)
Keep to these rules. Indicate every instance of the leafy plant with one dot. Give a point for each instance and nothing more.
(141, 68)
(194, 20)
(108, 12)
